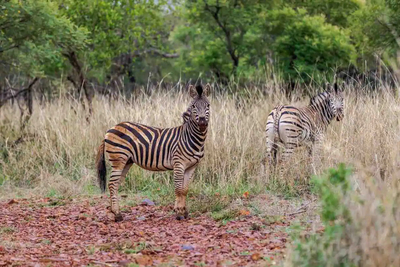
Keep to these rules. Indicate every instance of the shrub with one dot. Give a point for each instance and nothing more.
(366, 236)
(308, 48)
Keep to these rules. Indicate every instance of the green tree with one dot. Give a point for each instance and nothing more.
(376, 27)
(217, 35)
(336, 12)
(33, 36)
(307, 48)
(118, 30)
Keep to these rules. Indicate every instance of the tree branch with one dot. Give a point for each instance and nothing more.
(154, 51)
(392, 30)
(8, 48)
(14, 95)
(229, 46)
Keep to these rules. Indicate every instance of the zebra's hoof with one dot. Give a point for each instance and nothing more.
(118, 217)
(186, 215)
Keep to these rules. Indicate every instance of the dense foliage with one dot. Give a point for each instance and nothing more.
(140, 41)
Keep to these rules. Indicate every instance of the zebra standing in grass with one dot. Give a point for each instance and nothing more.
(294, 127)
(179, 149)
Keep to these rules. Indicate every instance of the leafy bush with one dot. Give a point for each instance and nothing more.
(308, 48)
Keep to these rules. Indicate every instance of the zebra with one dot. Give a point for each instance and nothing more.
(179, 149)
(294, 127)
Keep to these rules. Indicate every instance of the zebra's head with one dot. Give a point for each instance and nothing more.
(337, 103)
(200, 106)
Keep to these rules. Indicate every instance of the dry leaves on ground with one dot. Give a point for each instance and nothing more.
(77, 232)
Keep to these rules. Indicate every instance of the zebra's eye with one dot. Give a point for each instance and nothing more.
(193, 106)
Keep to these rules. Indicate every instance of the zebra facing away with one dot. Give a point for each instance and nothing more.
(294, 127)
(179, 149)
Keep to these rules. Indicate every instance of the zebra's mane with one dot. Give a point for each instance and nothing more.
(199, 89)
(321, 97)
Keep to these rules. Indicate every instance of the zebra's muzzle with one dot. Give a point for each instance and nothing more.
(202, 124)
(203, 127)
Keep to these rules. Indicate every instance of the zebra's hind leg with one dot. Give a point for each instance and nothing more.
(314, 152)
(286, 154)
(272, 150)
(182, 179)
(118, 173)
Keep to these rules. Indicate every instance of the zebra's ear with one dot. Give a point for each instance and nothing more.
(192, 91)
(207, 89)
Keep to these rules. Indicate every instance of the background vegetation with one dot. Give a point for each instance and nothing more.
(71, 69)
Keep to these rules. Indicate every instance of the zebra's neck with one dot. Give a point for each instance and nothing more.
(192, 135)
(322, 109)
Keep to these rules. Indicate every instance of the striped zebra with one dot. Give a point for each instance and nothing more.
(294, 127)
(179, 149)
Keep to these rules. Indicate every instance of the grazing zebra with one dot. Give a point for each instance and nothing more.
(179, 149)
(294, 127)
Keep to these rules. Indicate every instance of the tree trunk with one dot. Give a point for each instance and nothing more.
(82, 83)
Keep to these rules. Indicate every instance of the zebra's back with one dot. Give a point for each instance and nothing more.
(149, 147)
(289, 125)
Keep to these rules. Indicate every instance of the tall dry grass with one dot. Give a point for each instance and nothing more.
(59, 145)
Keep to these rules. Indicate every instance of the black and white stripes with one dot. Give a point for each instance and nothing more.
(294, 127)
(179, 149)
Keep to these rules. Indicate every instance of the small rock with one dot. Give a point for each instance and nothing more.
(124, 262)
(187, 247)
(147, 202)
(141, 218)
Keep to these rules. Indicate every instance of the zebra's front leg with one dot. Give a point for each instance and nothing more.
(182, 178)
(314, 152)
(310, 149)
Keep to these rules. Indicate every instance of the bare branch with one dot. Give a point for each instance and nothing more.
(154, 52)
(8, 48)
(229, 45)
(14, 95)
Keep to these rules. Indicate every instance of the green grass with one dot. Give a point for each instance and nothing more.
(8, 230)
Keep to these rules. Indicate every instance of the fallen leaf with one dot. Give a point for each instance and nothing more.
(143, 260)
(12, 201)
(246, 194)
(244, 212)
(255, 256)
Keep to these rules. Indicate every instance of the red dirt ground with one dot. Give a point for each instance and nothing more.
(46, 232)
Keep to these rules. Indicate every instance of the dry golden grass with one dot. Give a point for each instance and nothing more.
(59, 145)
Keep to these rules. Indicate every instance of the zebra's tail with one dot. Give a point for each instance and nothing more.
(101, 167)
(277, 118)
